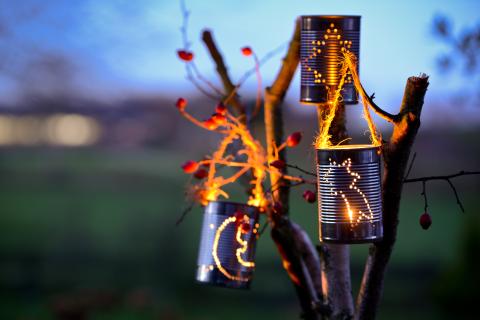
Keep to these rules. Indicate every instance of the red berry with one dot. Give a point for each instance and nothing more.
(184, 55)
(219, 119)
(239, 217)
(190, 166)
(294, 139)
(181, 103)
(210, 124)
(425, 221)
(309, 196)
(247, 51)
(245, 228)
(200, 174)
(279, 164)
(221, 109)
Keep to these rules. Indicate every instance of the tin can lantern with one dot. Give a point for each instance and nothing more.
(227, 245)
(322, 40)
(349, 194)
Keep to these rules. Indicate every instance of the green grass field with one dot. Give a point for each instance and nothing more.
(82, 223)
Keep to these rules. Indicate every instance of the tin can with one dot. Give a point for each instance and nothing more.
(227, 245)
(349, 194)
(322, 39)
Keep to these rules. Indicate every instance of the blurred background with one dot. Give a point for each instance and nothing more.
(91, 146)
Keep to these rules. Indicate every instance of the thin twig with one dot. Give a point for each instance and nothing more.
(190, 66)
(456, 195)
(295, 184)
(184, 27)
(264, 227)
(206, 81)
(424, 194)
(184, 213)
(262, 61)
(411, 165)
(230, 88)
(247, 74)
(301, 170)
(444, 177)
(447, 178)
(382, 113)
(197, 85)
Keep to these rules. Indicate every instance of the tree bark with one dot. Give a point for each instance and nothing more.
(222, 71)
(298, 257)
(396, 154)
(336, 280)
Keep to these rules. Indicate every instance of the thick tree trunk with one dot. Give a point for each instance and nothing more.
(336, 281)
(297, 253)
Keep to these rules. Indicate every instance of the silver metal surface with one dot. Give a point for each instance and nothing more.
(226, 271)
(321, 41)
(349, 194)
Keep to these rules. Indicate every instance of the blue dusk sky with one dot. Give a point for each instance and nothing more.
(109, 50)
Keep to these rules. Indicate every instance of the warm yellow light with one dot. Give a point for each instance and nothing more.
(239, 251)
(354, 217)
(243, 248)
(348, 73)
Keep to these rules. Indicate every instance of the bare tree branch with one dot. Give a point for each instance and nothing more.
(222, 70)
(184, 213)
(285, 236)
(411, 165)
(296, 255)
(382, 113)
(424, 194)
(447, 178)
(310, 256)
(442, 177)
(301, 170)
(190, 67)
(396, 154)
(456, 195)
(273, 115)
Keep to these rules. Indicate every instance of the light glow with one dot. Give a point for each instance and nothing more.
(72, 130)
(353, 215)
(341, 69)
(241, 250)
(256, 162)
